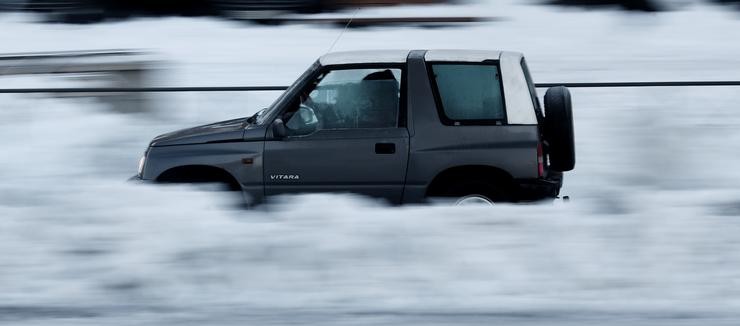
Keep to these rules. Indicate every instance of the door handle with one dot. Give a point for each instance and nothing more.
(385, 148)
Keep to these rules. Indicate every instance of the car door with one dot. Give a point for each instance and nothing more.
(344, 134)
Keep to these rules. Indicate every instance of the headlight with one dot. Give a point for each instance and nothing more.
(142, 161)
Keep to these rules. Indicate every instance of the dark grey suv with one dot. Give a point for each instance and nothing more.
(402, 125)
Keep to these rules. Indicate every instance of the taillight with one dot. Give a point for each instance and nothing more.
(540, 161)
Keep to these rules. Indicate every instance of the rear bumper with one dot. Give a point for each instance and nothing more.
(538, 189)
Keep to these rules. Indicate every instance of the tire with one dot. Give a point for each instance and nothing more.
(480, 189)
(558, 129)
(474, 200)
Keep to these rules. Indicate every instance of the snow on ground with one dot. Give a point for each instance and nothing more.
(650, 237)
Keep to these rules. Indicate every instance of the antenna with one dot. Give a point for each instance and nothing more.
(343, 30)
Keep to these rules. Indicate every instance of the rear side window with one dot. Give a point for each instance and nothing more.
(469, 94)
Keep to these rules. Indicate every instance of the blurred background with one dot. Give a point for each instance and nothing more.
(650, 236)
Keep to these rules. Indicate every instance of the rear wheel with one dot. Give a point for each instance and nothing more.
(477, 192)
(474, 200)
(472, 183)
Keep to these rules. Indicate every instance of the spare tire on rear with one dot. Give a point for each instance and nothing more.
(558, 129)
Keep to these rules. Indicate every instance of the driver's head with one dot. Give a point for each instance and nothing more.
(381, 75)
(381, 90)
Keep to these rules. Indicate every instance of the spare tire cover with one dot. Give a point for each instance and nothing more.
(558, 129)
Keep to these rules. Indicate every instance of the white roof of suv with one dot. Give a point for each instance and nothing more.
(399, 56)
(369, 56)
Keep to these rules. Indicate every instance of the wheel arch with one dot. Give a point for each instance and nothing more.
(466, 173)
(198, 173)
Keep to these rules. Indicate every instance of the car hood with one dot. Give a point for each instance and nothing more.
(224, 131)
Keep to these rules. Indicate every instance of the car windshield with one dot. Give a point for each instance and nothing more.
(264, 114)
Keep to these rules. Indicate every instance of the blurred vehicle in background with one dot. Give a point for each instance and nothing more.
(73, 11)
(306, 5)
(258, 10)
(81, 11)
(639, 5)
(735, 2)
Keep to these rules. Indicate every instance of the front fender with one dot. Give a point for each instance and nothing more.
(243, 160)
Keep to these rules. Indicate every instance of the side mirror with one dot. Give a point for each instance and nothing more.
(278, 129)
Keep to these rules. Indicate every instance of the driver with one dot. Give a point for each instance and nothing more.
(381, 91)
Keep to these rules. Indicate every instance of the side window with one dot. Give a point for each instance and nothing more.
(469, 94)
(347, 99)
